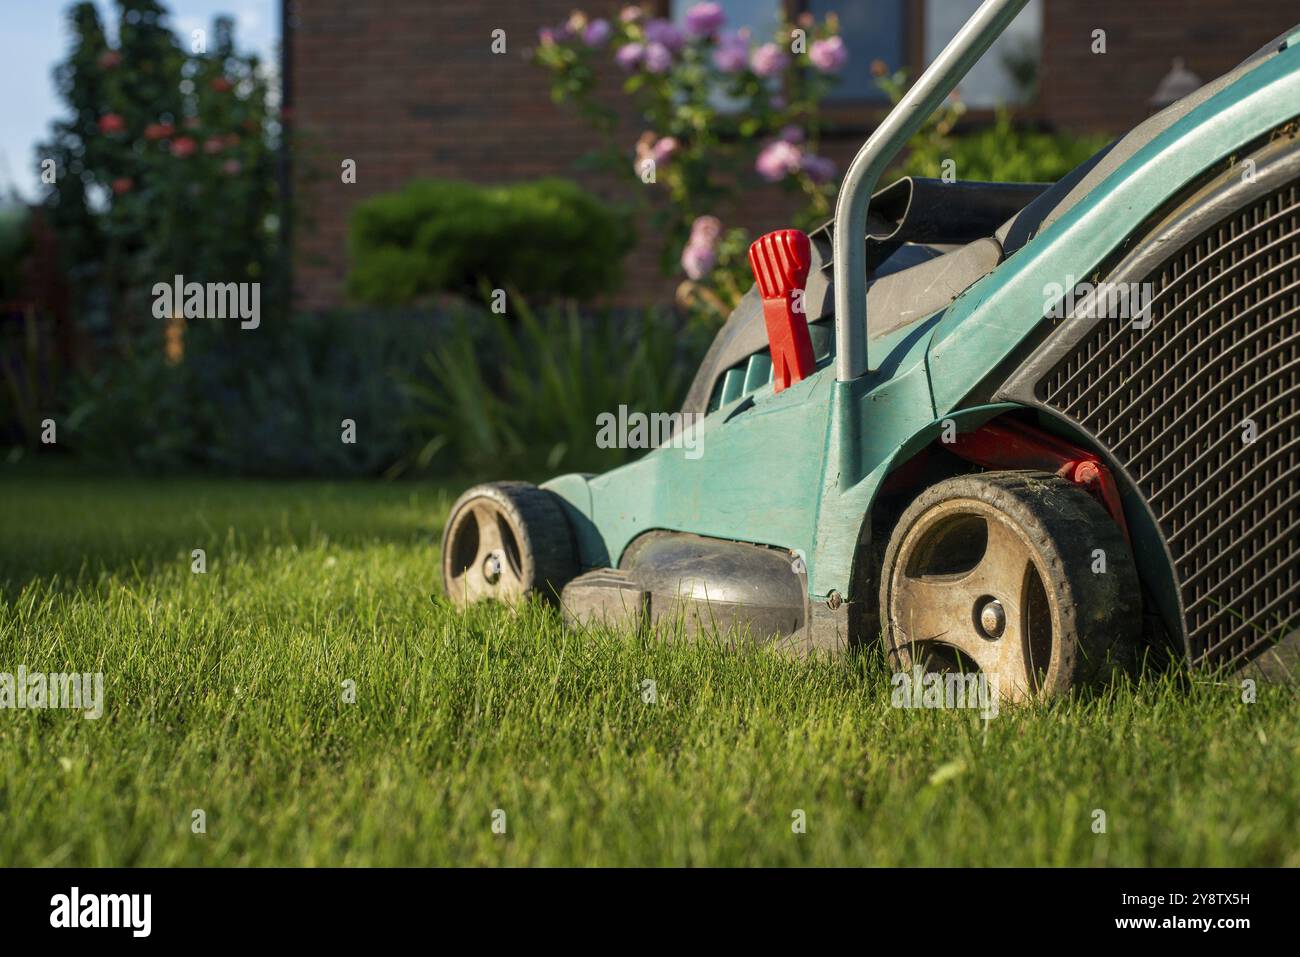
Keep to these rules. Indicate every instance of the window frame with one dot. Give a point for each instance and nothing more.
(854, 117)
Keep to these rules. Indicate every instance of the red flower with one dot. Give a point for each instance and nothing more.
(111, 123)
(231, 167)
(222, 85)
(109, 59)
(214, 145)
(158, 131)
(183, 146)
(122, 185)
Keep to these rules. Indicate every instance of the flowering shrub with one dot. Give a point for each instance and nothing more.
(163, 164)
(726, 113)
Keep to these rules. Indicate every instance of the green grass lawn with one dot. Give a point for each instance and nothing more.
(224, 692)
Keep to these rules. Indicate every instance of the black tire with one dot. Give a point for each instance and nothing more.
(1075, 626)
(515, 529)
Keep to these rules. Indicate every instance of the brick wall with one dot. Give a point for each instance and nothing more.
(1081, 90)
(410, 88)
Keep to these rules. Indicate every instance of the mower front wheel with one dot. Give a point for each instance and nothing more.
(506, 541)
(1021, 576)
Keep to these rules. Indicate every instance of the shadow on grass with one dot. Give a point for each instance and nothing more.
(76, 527)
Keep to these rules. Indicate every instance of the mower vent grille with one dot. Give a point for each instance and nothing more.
(1175, 403)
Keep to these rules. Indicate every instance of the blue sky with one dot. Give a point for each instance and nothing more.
(34, 38)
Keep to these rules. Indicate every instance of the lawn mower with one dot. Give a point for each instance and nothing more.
(1033, 431)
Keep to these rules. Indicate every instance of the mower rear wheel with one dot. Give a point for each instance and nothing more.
(1022, 576)
(506, 541)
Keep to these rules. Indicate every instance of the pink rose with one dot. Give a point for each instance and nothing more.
(706, 229)
(768, 60)
(778, 160)
(705, 19)
(663, 149)
(701, 252)
(828, 55)
(732, 53)
(698, 261)
(666, 33)
(596, 33)
(658, 58)
(630, 56)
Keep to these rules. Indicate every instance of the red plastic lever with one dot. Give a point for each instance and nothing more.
(780, 261)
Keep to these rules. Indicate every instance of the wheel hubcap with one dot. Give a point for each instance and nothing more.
(483, 557)
(993, 619)
(966, 595)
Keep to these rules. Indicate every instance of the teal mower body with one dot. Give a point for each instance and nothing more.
(1065, 416)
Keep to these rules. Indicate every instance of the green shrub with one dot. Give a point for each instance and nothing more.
(264, 403)
(465, 391)
(1001, 153)
(546, 238)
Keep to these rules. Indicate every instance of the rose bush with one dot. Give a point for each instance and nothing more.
(726, 113)
(164, 164)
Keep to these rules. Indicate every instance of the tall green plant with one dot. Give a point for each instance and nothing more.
(163, 163)
(524, 392)
(272, 404)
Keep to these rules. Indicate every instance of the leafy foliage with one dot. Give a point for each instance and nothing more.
(1001, 153)
(546, 238)
(1005, 152)
(455, 391)
(267, 405)
(497, 395)
(725, 115)
(164, 163)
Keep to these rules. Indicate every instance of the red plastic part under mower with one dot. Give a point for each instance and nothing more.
(1008, 444)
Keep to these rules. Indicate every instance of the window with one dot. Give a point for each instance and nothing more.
(762, 17)
(1008, 72)
(889, 31)
(872, 30)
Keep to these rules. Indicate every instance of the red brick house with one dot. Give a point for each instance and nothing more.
(409, 88)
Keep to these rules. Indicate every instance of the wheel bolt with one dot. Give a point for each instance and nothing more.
(492, 568)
